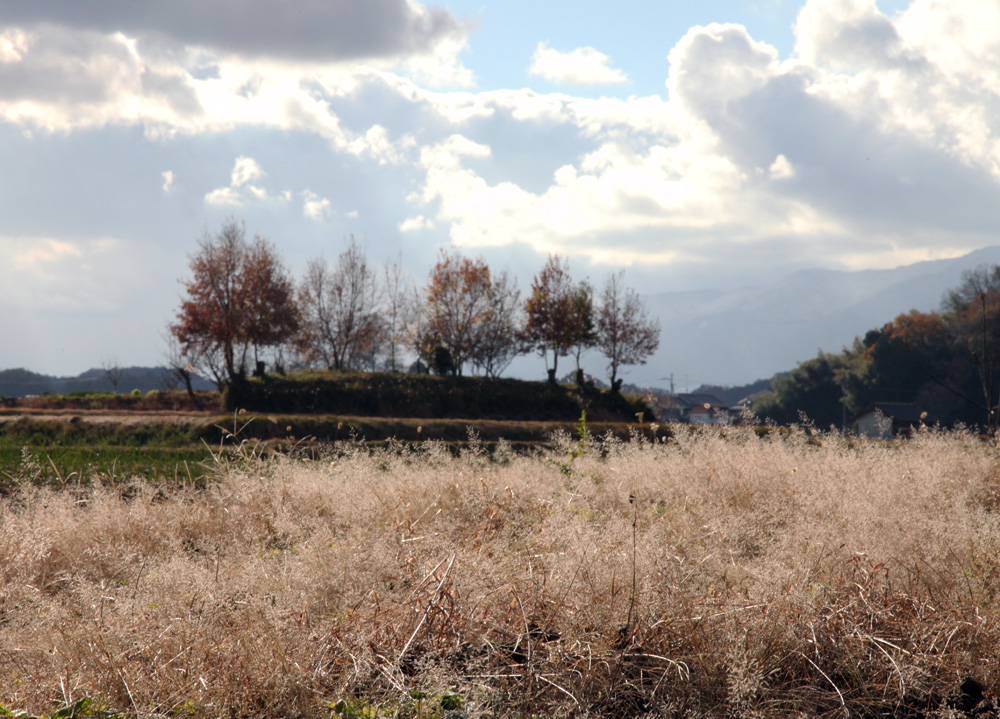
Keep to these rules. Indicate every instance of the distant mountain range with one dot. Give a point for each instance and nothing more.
(22, 382)
(734, 336)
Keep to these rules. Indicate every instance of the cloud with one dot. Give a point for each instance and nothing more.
(45, 251)
(36, 277)
(781, 169)
(969, 49)
(847, 35)
(310, 30)
(60, 78)
(713, 66)
(224, 197)
(314, 207)
(245, 170)
(582, 66)
(13, 44)
(376, 144)
(241, 188)
(876, 140)
(415, 224)
(443, 66)
(65, 68)
(168, 180)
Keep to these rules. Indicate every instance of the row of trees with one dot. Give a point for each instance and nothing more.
(242, 306)
(945, 361)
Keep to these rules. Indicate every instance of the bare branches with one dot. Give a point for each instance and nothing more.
(113, 372)
(626, 334)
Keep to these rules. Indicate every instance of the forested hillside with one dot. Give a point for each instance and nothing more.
(946, 362)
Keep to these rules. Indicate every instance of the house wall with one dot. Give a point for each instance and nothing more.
(874, 426)
(700, 415)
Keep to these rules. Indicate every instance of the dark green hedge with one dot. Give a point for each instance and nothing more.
(412, 395)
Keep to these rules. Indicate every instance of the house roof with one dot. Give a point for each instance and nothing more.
(699, 399)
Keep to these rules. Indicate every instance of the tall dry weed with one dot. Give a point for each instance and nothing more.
(718, 574)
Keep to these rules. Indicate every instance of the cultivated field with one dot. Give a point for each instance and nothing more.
(719, 574)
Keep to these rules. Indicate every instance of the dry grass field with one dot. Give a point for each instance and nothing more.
(720, 574)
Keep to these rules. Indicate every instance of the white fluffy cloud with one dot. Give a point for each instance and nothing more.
(245, 170)
(863, 145)
(314, 207)
(243, 187)
(582, 66)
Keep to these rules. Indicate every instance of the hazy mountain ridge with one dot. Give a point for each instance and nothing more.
(21, 382)
(736, 336)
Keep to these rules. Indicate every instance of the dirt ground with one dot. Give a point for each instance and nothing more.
(105, 416)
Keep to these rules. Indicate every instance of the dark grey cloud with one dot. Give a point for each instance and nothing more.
(847, 160)
(321, 30)
(74, 69)
(853, 167)
(173, 88)
(67, 68)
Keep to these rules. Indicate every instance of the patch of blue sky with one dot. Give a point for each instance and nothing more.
(636, 36)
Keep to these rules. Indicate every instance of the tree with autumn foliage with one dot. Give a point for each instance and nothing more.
(903, 362)
(239, 298)
(626, 334)
(973, 314)
(553, 320)
(944, 362)
(457, 301)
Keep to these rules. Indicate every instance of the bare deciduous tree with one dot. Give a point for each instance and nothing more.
(584, 336)
(626, 334)
(500, 330)
(178, 366)
(113, 372)
(340, 307)
(400, 310)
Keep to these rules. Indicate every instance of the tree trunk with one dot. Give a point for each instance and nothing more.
(187, 383)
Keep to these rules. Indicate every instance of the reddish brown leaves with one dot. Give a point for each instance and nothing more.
(239, 297)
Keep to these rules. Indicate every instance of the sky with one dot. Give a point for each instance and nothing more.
(694, 145)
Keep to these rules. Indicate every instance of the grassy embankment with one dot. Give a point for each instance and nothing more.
(719, 574)
(167, 435)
